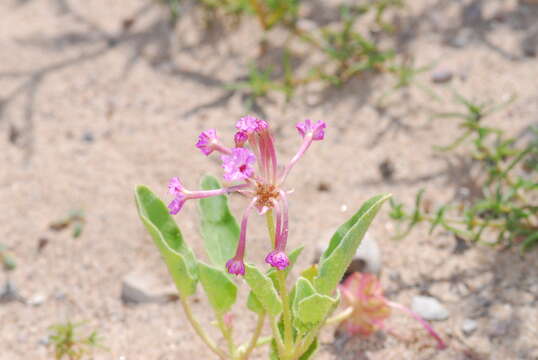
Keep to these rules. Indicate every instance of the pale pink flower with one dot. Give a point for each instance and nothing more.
(316, 130)
(240, 138)
(239, 165)
(208, 141)
(362, 292)
(262, 185)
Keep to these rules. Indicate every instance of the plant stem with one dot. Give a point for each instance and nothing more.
(264, 341)
(440, 343)
(288, 335)
(276, 336)
(198, 329)
(340, 317)
(271, 226)
(227, 333)
(283, 291)
(254, 341)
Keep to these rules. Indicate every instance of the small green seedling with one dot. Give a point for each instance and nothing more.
(69, 344)
(75, 218)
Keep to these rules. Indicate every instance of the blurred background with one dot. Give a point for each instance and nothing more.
(434, 95)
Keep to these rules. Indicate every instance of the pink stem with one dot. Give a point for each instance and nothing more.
(221, 148)
(305, 145)
(240, 252)
(272, 156)
(278, 228)
(281, 245)
(440, 343)
(209, 193)
(264, 153)
(253, 141)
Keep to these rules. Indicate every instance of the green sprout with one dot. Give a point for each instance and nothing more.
(6, 260)
(75, 218)
(69, 344)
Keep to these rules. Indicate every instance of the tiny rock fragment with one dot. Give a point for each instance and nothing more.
(323, 187)
(529, 47)
(42, 242)
(140, 287)
(442, 76)
(88, 137)
(462, 38)
(37, 300)
(9, 293)
(386, 169)
(429, 308)
(468, 326)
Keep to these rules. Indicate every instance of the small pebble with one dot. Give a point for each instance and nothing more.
(386, 169)
(429, 308)
(442, 76)
(469, 326)
(323, 187)
(88, 137)
(44, 341)
(9, 293)
(37, 300)
(529, 48)
(462, 38)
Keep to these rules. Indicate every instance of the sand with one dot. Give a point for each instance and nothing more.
(88, 110)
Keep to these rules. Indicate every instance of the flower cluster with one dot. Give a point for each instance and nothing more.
(261, 184)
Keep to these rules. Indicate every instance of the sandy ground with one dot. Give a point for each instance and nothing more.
(88, 111)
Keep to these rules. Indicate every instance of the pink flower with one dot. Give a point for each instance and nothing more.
(208, 141)
(238, 165)
(277, 259)
(317, 130)
(175, 187)
(250, 124)
(236, 266)
(262, 185)
(240, 138)
(176, 205)
(363, 293)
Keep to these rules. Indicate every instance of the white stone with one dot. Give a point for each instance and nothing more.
(37, 300)
(140, 287)
(429, 308)
(468, 326)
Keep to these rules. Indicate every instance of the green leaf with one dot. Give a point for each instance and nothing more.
(264, 290)
(311, 351)
(309, 307)
(303, 289)
(178, 257)
(220, 290)
(254, 305)
(343, 245)
(310, 273)
(314, 309)
(219, 228)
